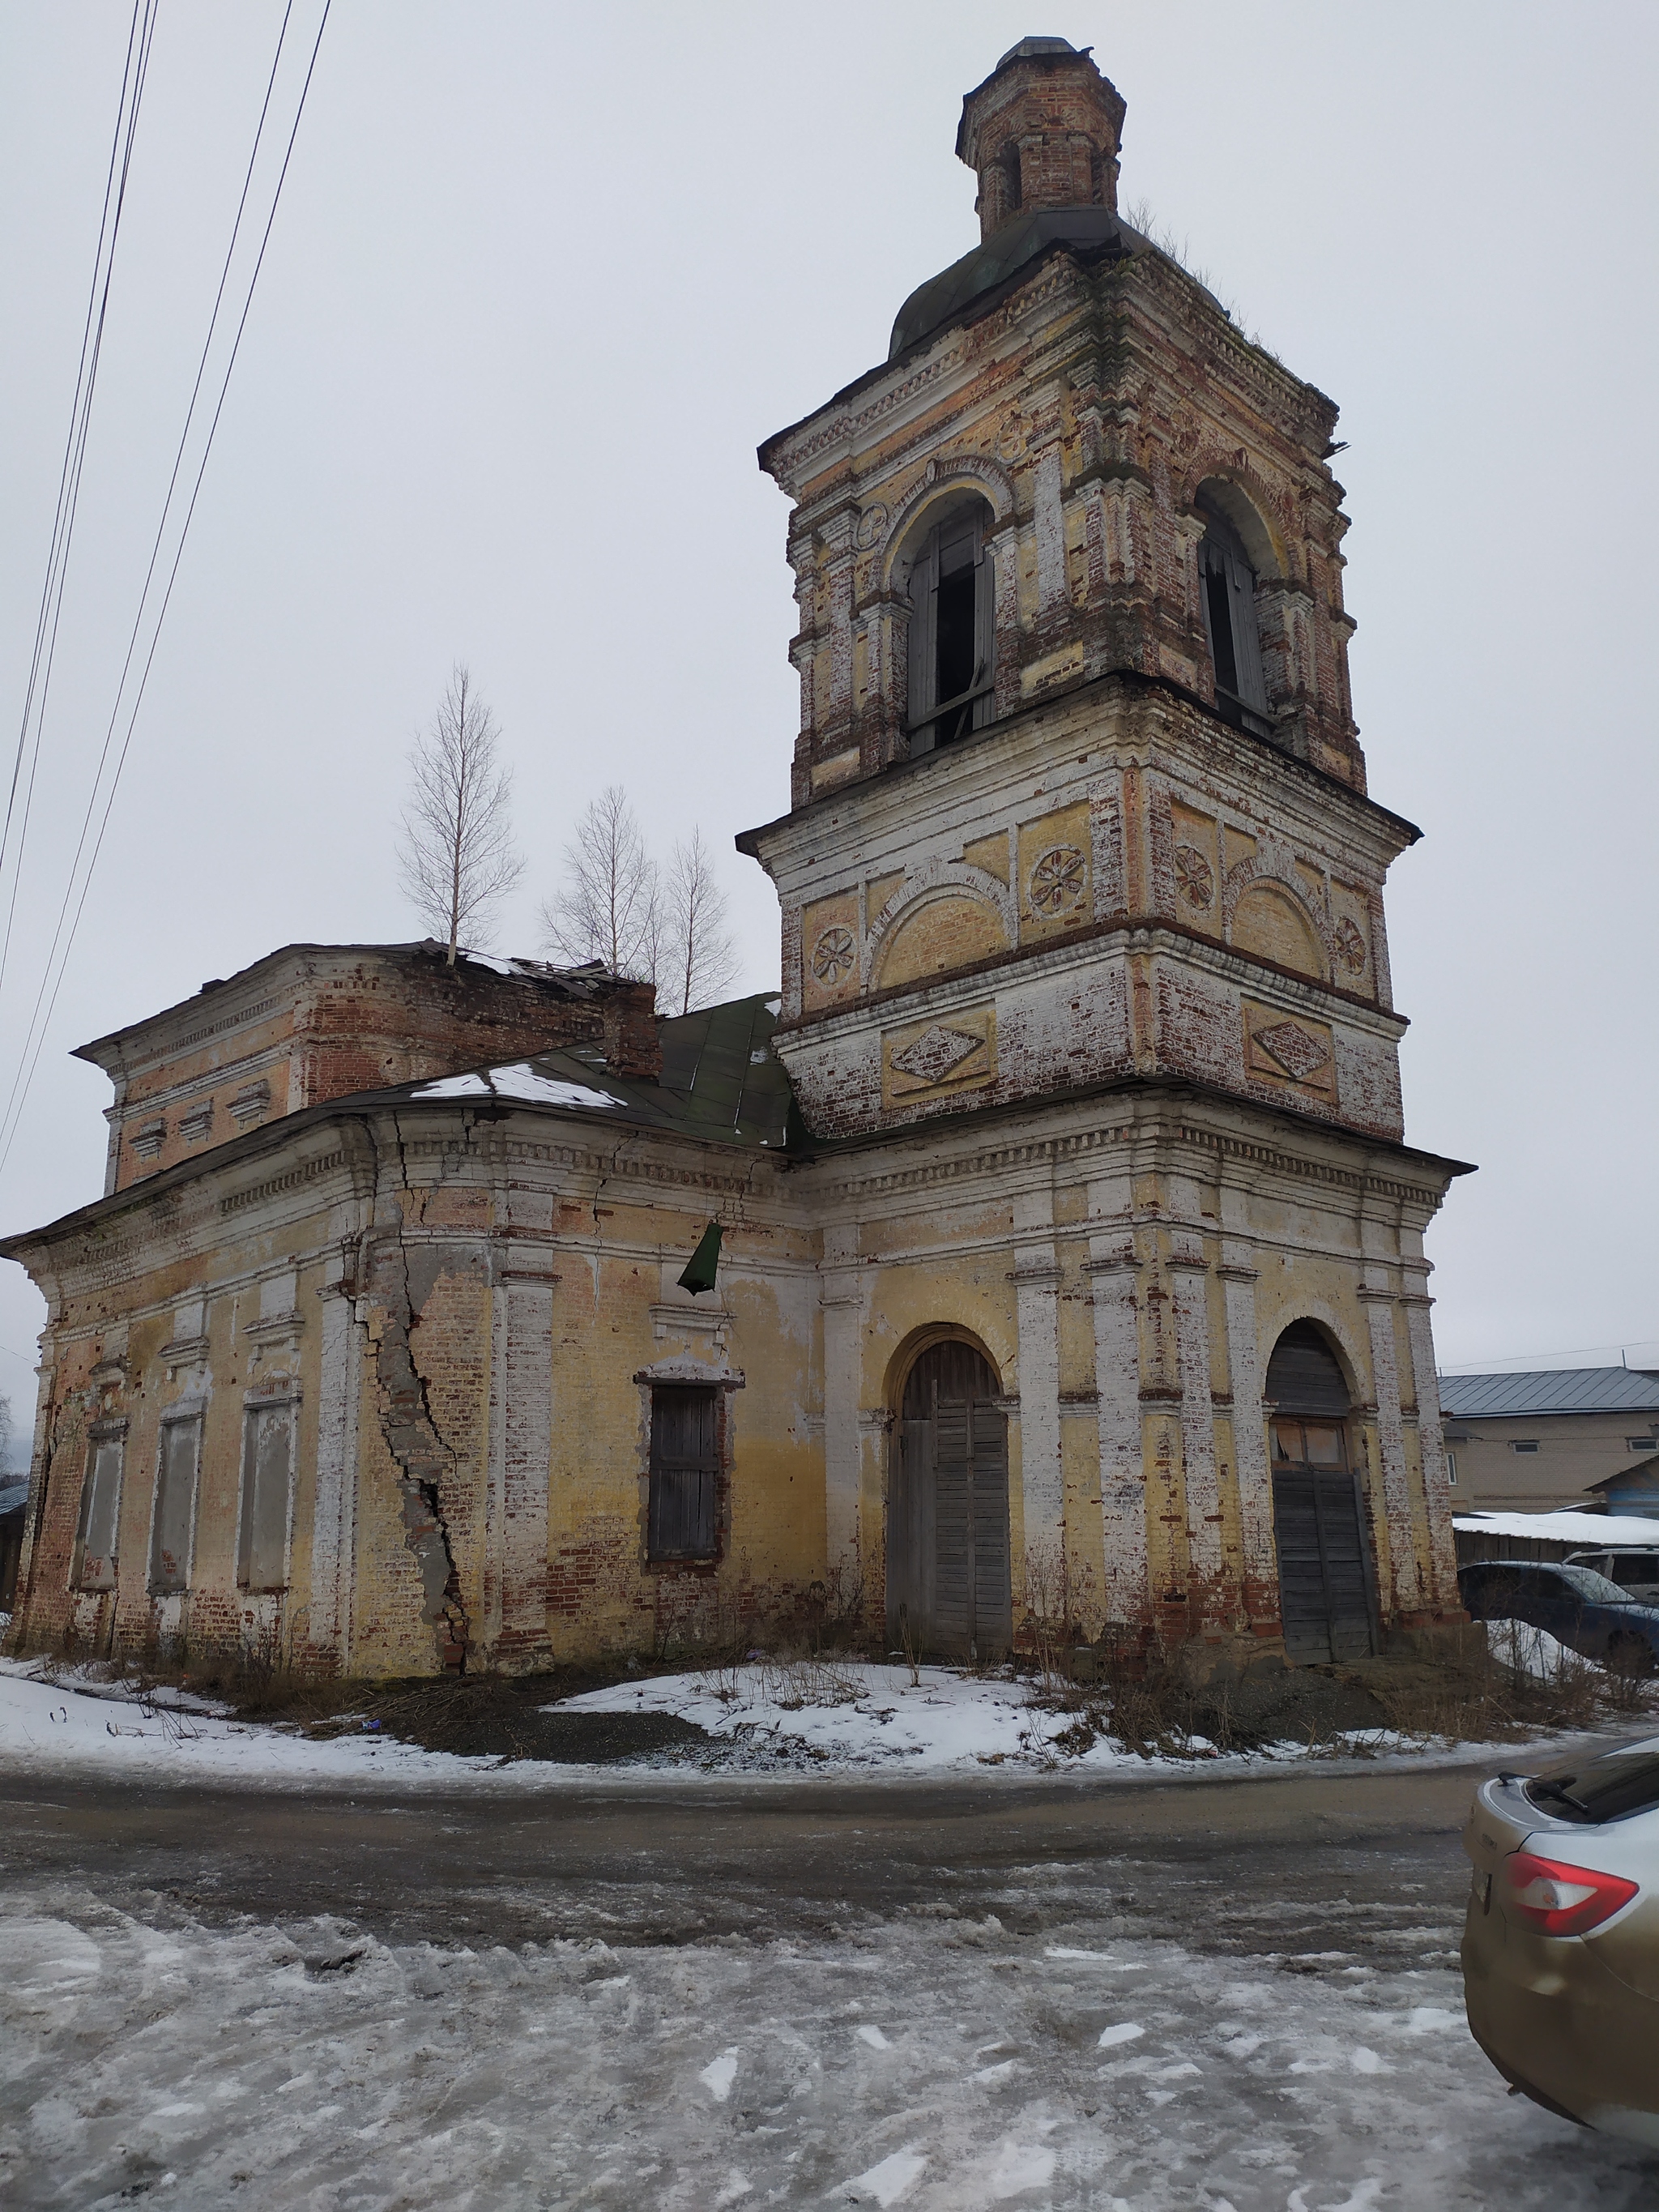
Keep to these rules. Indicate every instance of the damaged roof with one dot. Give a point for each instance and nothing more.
(721, 1081)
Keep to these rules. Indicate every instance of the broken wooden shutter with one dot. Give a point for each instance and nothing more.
(923, 647)
(267, 1485)
(1218, 614)
(682, 1511)
(175, 1504)
(985, 633)
(100, 1511)
(1247, 637)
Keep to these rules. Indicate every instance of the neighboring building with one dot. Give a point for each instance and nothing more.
(1632, 1494)
(1525, 1443)
(1072, 1279)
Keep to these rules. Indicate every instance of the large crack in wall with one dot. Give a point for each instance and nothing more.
(424, 1461)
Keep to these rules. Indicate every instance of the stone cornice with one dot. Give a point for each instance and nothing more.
(1261, 754)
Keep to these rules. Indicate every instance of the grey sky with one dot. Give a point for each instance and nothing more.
(542, 279)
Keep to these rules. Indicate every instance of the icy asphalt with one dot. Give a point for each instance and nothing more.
(1164, 1995)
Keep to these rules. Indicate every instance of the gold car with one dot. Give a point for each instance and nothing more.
(1561, 1941)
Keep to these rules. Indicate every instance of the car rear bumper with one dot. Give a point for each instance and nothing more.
(1563, 2029)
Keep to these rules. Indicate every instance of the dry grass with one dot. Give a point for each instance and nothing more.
(1457, 1689)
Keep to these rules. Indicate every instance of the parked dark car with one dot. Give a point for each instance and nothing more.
(1582, 1610)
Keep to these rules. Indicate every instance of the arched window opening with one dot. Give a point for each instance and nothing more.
(1229, 620)
(1324, 1578)
(952, 617)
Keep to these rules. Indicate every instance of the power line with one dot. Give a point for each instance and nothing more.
(134, 72)
(39, 1025)
(1575, 1352)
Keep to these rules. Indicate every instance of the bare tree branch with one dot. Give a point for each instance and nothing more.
(699, 957)
(609, 908)
(455, 858)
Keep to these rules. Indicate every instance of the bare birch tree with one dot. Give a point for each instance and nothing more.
(698, 957)
(609, 908)
(455, 858)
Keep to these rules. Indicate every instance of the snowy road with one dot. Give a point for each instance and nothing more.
(1205, 1995)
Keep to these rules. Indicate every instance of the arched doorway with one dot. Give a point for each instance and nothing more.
(949, 1589)
(1324, 1580)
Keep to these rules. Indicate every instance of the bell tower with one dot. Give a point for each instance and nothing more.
(1078, 796)
(1085, 981)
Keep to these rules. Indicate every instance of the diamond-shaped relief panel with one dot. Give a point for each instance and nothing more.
(1298, 1051)
(937, 1052)
(942, 1057)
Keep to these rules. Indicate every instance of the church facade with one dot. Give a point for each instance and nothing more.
(1070, 1279)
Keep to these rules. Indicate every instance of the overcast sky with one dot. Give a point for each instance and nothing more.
(542, 278)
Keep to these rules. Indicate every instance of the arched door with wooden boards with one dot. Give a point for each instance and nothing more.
(1324, 1576)
(949, 1588)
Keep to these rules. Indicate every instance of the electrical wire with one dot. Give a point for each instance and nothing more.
(38, 1024)
(1574, 1352)
(135, 69)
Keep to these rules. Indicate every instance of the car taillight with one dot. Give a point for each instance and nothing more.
(1559, 1899)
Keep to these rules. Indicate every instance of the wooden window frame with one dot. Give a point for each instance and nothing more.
(656, 1473)
(252, 1408)
(101, 1435)
(175, 1417)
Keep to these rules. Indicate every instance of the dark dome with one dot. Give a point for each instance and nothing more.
(945, 298)
(1029, 46)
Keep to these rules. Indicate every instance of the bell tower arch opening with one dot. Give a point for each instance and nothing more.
(1325, 1592)
(1234, 554)
(950, 1588)
(951, 638)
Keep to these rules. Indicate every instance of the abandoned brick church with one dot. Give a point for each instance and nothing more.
(1070, 1277)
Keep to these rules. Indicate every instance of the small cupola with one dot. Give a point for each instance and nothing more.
(1042, 131)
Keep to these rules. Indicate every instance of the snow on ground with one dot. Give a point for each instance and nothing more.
(938, 2063)
(814, 1718)
(854, 1713)
(49, 1725)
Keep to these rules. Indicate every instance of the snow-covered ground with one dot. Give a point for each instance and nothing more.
(854, 1713)
(812, 1718)
(938, 2063)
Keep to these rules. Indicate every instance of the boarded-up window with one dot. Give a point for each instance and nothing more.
(267, 1477)
(175, 1504)
(101, 1513)
(683, 1515)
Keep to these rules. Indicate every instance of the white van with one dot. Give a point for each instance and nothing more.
(1636, 1571)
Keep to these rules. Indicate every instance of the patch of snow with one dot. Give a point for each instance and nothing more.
(1125, 2032)
(718, 2075)
(874, 2036)
(887, 2183)
(519, 1082)
(455, 1086)
(1532, 1650)
(1592, 1532)
(1018, 2167)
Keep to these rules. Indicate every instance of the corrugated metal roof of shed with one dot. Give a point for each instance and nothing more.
(1556, 1390)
